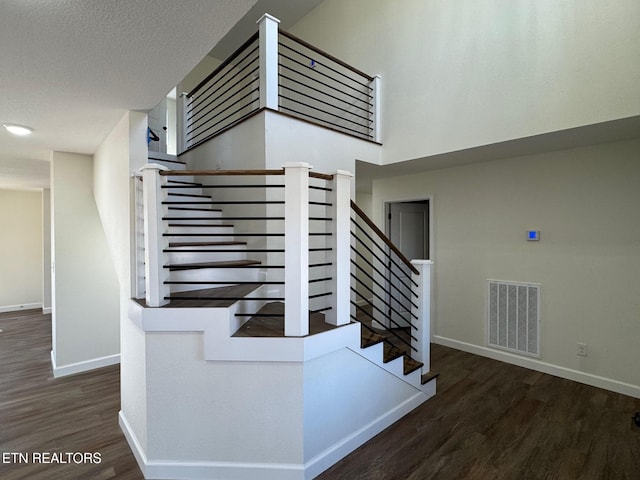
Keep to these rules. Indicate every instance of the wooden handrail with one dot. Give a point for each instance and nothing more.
(383, 237)
(323, 176)
(325, 54)
(171, 173)
(229, 59)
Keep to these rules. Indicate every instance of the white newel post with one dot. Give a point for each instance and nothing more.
(423, 312)
(296, 247)
(340, 256)
(182, 105)
(154, 241)
(268, 49)
(374, 114)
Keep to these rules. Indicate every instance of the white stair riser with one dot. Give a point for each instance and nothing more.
(230, 275)
(196, 257)
(194, 214)
(213, 229)
(208, 220)
(178, 238)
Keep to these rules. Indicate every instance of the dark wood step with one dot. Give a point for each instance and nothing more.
(427, 377)
(369, 339)
(207, 225)
(269, 322)
(167, 161)
(202, 265)
(193, 209)
(204, 244)
(195, 195)
(410, 365)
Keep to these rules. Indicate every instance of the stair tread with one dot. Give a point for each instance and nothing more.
(196, 209)
(224, 264)
(410, 365)
(208, 225)
(427, 377)
(369, 339)
(271, 323)
(204, 244)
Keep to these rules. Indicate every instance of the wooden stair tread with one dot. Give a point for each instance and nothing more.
(369, 339)
(204, 244)
(270, 323)
(207, 297)
(195, 209)
(224, 264)
(196, 195)
(410, 365)
(427, 377)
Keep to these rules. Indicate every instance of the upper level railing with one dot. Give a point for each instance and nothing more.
(276, 70)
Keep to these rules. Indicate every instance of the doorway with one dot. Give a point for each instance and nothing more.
(408, 226)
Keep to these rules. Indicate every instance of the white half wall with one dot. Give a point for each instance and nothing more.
(21, 250)
(466, 73)
(85, 285)
(584, 202)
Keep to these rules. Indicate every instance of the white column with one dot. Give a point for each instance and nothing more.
(268, 31)
(374, 114)
(154, 241)
(423, 312)
(296, 244)
(340, 255)
(182, 103)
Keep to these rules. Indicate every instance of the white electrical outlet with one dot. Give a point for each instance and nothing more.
(582, 349)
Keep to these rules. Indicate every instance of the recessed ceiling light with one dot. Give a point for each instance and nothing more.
(19, 130)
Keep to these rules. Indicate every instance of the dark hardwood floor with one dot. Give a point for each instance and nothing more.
(489, 420)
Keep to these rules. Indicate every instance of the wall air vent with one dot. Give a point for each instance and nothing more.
(513, 317)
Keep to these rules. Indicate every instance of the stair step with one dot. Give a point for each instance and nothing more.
(195, 209)
(194, 195)
(391, 353)
(207, 225)
(211, 297)
(269, 322)
(204, 244)
(369, 339)
(197, 266)
(410, 365)
(427, 377)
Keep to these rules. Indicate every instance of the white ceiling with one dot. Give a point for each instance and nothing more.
(71, 69)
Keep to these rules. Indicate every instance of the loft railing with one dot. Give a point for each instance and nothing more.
(390, 293)
(291, 226)
(276, 70)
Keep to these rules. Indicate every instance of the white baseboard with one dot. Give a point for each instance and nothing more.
(16, 308)
(533, 364)
(203, 470)
(46, 310)
(85, 366)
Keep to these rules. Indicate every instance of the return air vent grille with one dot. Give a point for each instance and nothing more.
(514, 317)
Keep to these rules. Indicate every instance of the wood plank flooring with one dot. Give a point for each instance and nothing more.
(42, 414)
(489, 420)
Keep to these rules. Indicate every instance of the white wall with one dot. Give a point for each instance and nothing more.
(85, 285)
(46, 250)
(466, 73)
(20, 250)
(585, 203)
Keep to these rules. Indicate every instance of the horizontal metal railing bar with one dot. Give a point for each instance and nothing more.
(203, 267)
(383, 237)
(322, 204)
(247, 250)
(340, 127)
(354, 80)
(320, 310)
(319, 295)
(318, 109)
(384, 302)
(358, 307)
(318, 72)
(204, 282)
(320, 234)
(220, 67)
(228, 186)
(213, 173)
(259, 314)
(324, 249)
(223, 234)
(315, 187)
(186, 297)
(393, 285)
(366, 247)
(325, 279)
(220, 218)
(309, 77)
(202, 96)
(322, 219)
(349, 112)
(325, 54)
(189, 139)
(190, 126)
(191, 121)
(346, 102)
(313, 265)
(225, 202)
(402, 268)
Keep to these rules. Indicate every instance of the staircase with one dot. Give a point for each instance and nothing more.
(207, 267)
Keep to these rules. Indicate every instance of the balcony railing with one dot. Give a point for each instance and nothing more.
(276, 70)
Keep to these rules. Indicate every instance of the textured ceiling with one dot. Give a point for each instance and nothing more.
(71, 69)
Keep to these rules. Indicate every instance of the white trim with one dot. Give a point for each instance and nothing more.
(83, 366)
(533, 364)
(17, 308)
(194, 470)
(46, 310)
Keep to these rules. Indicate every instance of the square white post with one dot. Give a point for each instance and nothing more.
(268, 49)
(374, 114)
(296, 245)
(423, 312)
(182, 105)
(154, 241)
(340, 255)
